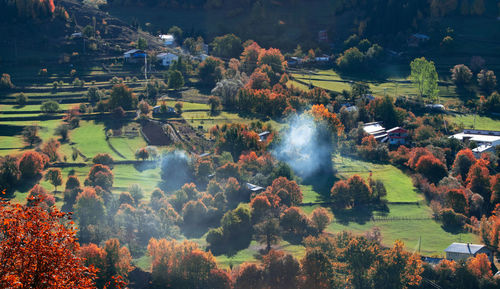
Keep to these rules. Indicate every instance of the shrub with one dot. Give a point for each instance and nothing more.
(49, 106)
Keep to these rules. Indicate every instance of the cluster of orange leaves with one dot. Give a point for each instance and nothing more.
(37, 249)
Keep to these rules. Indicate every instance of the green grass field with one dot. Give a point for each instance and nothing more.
(481, 122)
(399, 189)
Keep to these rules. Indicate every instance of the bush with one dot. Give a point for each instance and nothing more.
(49, 106)
(487, 80)
(452, 220)
(5, 82)
(21, 99)
(461, 75)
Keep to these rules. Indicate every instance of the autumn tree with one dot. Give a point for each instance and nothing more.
(250, 57)
(463, 161)
(458, 201)
(249, 276)
(31, 164)
(90, 211)
(487, 80)
(111, 261)
(9, 174)
(294, 222)
(282, 271)
(103, 159)
(432, 168)
(100, 175)
(236, 138)
(30, 135)
(184, 265)
(46, 258)
(461, 75)
(268, 232)
(317, 270)
(397, 269)
(211, 70)
(320, 218)
(122, 96)
(54, 176)
(478, 180)
(50, 149)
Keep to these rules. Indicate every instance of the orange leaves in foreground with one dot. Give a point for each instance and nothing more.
(37, 249)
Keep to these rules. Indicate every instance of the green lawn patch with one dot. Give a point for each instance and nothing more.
(481, 122)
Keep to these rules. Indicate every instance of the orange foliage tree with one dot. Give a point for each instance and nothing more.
(184, 265)
(38, 249)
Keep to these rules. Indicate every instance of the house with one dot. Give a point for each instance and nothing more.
(264, 135)
(201, 57)
(486, 140)
(376, 130)
(254, 188)
(464, 251)
(435, 107)
(349, 107)
(168, 39)
(76, 35)
(134, 55)
(158, 112)
(167, 58)
(415, 40)
(323, 58)
(397, 136)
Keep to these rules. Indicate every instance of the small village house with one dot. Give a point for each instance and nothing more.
(486, 140)
(134, 56)
(167, 39)
(264, 135)
(417, 39)
(464, 251)
(397, 136)
(167, 58)
(376, 130)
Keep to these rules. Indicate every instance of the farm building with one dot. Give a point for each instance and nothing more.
(169, 111)
(264, 135)
(254, 188)
(168, 39)
(416, 39)
(486, 140)
(376, 130)
(393, 136)
(134, 55)
(463, 251)
(397, 136)
(167, 58)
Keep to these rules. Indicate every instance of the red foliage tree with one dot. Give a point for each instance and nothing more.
(288, 191)
(38, 249)
(31, 164)
(431, 168)
(463, 161)
(457, 200)
(100, 175)
(478, 179)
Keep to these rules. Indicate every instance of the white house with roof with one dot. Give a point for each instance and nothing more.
(464, 251)
(486, 140)
(376, 130)
(167, 58)
(168, 39)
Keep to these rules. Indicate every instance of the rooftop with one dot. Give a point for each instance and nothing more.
(481, 138)
(464, 248)
(373, 127)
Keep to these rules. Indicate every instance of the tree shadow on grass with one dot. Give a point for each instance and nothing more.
(360, 214)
